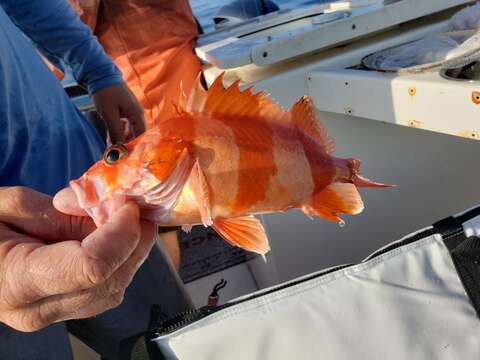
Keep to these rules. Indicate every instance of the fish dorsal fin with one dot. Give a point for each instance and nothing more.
(195, 101)
(222, 102)
(305, 118)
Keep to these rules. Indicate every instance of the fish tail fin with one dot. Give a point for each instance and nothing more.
(334, 200)
(360, 181)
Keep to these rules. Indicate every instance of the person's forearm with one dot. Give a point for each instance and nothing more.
(57, 30)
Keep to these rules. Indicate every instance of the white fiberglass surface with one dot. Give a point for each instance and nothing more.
(435, 178)
(205, 10)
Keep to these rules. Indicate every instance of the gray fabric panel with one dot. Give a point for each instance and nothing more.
(406, 304)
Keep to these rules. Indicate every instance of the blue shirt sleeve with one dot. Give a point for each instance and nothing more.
(58, 31)
(44, 140)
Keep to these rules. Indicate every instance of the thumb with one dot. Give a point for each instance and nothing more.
(84, 263)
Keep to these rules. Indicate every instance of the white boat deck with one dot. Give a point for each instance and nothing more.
(281, 36)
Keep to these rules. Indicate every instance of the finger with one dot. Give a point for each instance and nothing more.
(126, 272)
(128, 132)
(89, 302)
(78, 305)
(133, 112)
(33, 213)
(70, 266)
(111, 115)
(136, 119)
(66, 202)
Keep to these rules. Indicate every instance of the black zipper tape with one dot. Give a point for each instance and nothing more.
(183, 319)
(466, 258)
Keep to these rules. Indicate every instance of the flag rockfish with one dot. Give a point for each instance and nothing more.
(226, 156)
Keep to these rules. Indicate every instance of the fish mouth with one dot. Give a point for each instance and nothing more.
(89, 197)
(154, 197)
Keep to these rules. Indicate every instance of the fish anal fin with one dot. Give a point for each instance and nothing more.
(335, 199)
(246, 232)
(305, 119)
(321, 212)
(201, 192)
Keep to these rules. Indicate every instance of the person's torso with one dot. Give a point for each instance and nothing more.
(44, 139)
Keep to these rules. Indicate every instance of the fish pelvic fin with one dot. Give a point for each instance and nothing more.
(334, 200)
(305, 119)
(246, 232)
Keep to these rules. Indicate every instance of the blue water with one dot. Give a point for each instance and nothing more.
(204, 10)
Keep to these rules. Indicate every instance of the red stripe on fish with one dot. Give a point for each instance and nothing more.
(250, 157)
(176, 135)
(256, 163)
(317, 144)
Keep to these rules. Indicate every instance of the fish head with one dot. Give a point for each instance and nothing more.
(150, 170)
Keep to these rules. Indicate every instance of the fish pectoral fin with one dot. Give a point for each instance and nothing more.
(335, 199)
(201, 191)
(246, 232)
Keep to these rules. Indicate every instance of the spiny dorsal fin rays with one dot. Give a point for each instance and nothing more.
(304, 117)
(198, 96)
(195, 100)
(179, 106)
(220, 101)
(182, 99)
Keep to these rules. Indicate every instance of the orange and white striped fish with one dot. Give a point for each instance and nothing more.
(226, 156)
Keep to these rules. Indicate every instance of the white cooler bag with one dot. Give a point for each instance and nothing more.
(417, 298)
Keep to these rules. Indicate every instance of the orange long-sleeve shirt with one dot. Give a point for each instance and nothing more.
(152, 43)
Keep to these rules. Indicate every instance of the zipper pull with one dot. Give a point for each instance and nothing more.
(213, 297)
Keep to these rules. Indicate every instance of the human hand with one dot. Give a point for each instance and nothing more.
(56, 267)
(115, 103)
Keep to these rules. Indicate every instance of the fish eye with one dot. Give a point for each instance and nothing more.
(114, 153)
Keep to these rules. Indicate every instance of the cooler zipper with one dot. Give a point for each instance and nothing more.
(186, 318)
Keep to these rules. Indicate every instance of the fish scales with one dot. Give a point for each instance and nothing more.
(228, 154)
